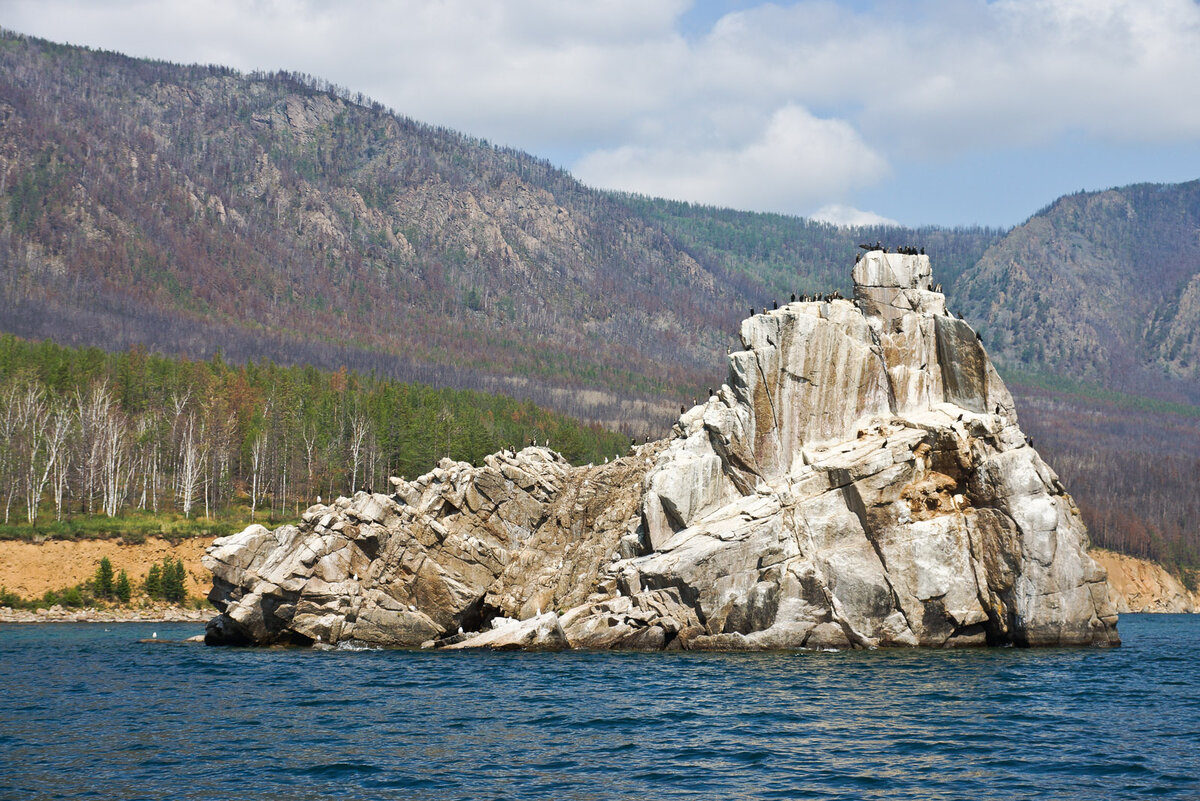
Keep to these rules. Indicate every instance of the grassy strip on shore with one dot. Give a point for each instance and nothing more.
(134, 526)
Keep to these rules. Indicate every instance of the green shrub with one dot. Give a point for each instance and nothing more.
(72, 596)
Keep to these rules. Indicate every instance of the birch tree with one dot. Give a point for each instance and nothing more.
(359, 427)
(191, 462)
(258, 452)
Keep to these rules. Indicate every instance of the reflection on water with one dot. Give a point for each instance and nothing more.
(91, 713)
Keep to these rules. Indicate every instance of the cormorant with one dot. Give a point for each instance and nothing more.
(793, 297)
(682, 409)
(774, 305)
(922, 253)
(866, 247)
(710, 392)
(997, 408)
(751, 311)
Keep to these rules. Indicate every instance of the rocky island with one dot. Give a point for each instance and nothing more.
(859, 481)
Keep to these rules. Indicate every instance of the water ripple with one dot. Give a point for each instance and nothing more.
(91, 713)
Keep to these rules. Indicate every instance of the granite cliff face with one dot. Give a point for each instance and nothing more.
(859, 481)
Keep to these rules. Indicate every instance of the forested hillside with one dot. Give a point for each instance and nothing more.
(186, 207)
(196, 210)
(1110, 283)
(769, 256)
(84, 432)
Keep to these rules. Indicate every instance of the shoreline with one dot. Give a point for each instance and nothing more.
(59, 614)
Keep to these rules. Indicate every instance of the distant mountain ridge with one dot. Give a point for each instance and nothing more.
(1110, 281)
(192, 209)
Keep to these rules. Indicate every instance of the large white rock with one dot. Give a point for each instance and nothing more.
(860, 480)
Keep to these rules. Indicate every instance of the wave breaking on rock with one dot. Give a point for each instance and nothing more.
(859, 481)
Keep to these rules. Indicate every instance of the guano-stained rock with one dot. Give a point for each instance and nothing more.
(859, 481)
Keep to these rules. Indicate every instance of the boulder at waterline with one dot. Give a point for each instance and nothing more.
(860, 480)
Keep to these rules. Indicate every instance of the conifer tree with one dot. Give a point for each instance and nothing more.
(123, 589)
(154, 581)
(174, 587)
(103, 581)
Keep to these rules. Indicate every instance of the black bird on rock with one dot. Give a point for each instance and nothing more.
(793, 297)
(774, 305)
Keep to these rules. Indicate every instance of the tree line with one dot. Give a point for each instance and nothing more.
(84, 432)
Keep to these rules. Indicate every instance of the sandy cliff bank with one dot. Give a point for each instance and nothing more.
(1144, 586)
(30, 569)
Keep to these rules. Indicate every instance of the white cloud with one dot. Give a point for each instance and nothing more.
(793, 162)
(937, 76)
(849, 216)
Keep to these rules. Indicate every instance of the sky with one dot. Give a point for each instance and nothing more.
(943, 112)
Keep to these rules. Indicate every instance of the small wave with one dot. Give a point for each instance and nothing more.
(353, 645)
(334, 770)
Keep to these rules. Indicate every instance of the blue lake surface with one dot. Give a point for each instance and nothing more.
(89, 712)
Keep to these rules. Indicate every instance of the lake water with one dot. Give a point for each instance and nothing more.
(88, 712)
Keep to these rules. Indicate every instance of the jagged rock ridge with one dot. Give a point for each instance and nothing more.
(860, 480)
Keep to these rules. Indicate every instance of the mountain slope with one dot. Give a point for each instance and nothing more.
(145, 191)
(195, 209)
(186, 207)
(1109, 280)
